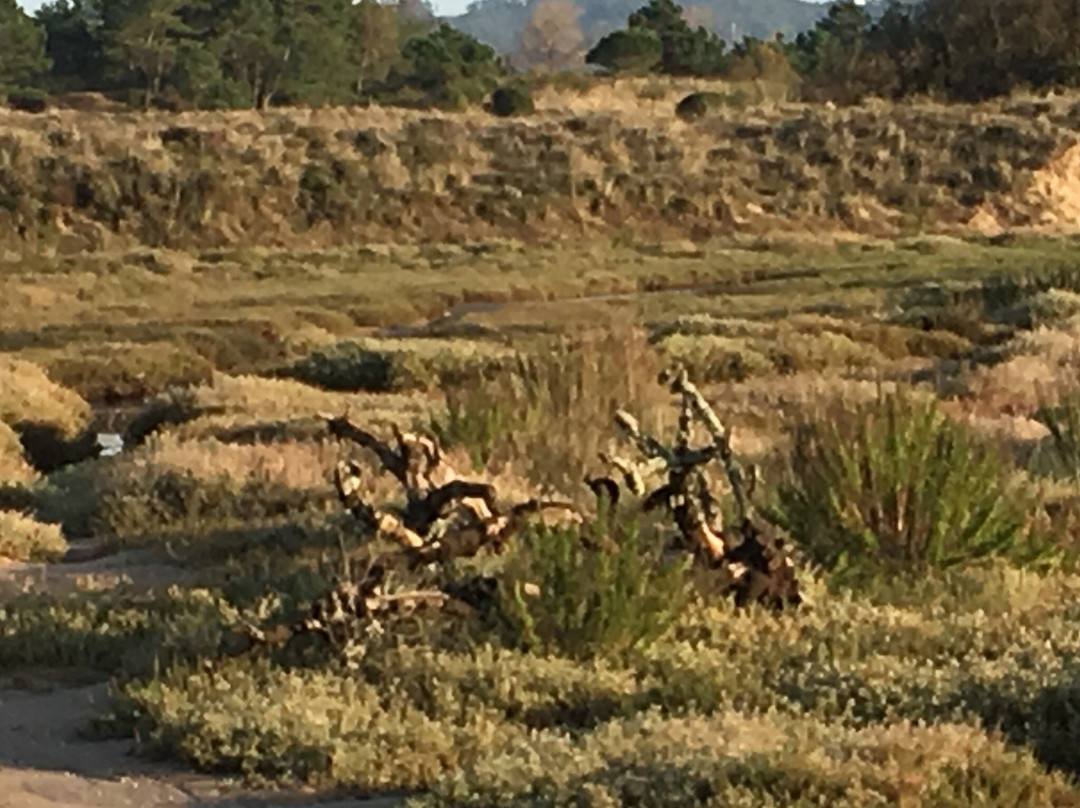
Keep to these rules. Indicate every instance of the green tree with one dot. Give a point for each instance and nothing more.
(683, 50)
(22, 47)
(450, 68)
(831, 54)
(633, 50)
(74, 46)
(147, 42)
(251, 55)
(373, 39)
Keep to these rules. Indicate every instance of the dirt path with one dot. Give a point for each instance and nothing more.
(44, 763)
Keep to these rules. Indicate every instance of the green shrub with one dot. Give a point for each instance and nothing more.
(383, 366)
(512, 99)
(111, 632)
(551, 414)
(1063, 421)
(698, 105)
(592, 601)
(633, 50)
(28, 100)
(895, 486)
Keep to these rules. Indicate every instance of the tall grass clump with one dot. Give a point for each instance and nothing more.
(551, 413)
(1063, 422)
(566, 595)
(895, 486)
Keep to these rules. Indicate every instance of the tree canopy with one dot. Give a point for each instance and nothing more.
(254, 53)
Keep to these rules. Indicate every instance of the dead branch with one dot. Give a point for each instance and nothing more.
(756, 563)
(443, 517)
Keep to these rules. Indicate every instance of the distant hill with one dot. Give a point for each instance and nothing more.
(499, 22)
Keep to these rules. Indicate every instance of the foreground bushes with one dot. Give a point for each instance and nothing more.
(750, 705)
(593, 603)
(895, 486)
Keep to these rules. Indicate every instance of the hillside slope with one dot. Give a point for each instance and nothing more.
(78, 181)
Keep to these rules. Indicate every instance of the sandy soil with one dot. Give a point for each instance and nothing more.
(45, 763)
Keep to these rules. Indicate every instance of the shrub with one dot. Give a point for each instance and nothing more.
(895, 486)
(383, 366)
(634, 50)
(22, 538)
(122, 372)
(1063, 421)
(33, 101)
(513, 99)
(654, 761)
(118, 633)
(592, 602)
(173, 503)
(13, 466)
(552, 413)
(27, 395)
(698, 105)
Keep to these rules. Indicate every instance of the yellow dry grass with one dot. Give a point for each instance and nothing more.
(14, 469)
(245, 400)
(28, 395)
(298, 465)
(23, 538)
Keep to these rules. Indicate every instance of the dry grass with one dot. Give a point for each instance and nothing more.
(247, 400)
(23, 538)
(13, 466)
(289, 464)
(304, 178)
(27, 395)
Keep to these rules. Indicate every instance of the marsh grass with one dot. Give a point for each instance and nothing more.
(1063, 420)
(552, 413)
(897, 486)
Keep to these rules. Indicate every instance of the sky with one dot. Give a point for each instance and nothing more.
(442, 7)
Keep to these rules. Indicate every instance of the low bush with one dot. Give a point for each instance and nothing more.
(387, 365)
(14, 469)
(177, 504)
(113, 373)
(591, 601)
(660, 762)
(28, 100)
(895, 486)
(22, 538)
(698, 105)
(1063, 421)
(512, 99)
(28, 395)
(121, 634)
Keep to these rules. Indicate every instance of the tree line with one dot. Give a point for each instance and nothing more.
(244, 53)
(254, 53)
(958, 49)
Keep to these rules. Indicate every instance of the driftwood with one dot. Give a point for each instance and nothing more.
(443, 517)
(754, 559)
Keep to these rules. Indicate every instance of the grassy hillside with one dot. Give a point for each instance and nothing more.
(81, 182)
